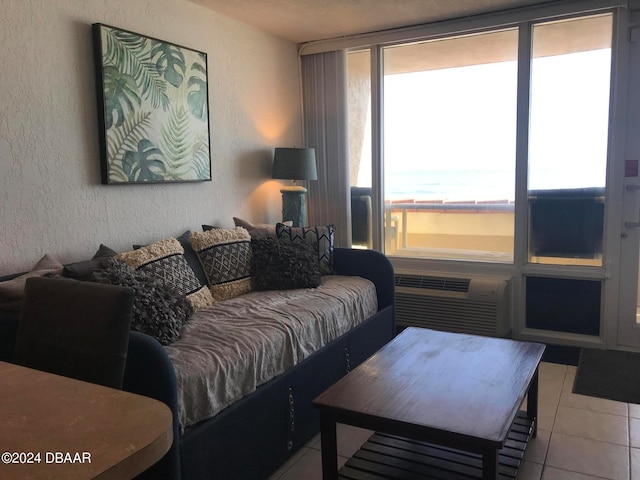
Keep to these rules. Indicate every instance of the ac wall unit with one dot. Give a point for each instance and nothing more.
(476, 305)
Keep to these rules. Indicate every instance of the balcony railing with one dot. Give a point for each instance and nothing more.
(398, 212)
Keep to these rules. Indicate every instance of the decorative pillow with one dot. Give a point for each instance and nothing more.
(12, 291)
(320, 237)
(192, 257)
(165, 261)
(189, 255)
(85, 269)
(258, 230)
(226, 258)
(158, 309)
(281, 265)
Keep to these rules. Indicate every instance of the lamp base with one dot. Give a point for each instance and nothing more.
(294, 208)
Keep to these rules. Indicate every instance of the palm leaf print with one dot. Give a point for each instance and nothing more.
(176, 141)
(154, 109)
(145, 163)
(197, 98)
(127, 137)
(200, 155)
(169, 62)
(131, 55)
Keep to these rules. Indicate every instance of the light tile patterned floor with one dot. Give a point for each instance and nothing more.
(579, 438)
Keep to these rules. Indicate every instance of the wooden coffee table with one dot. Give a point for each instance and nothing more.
(445, 405)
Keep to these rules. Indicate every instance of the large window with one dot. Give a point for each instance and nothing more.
(449, 146)
(568, 133)
(449, 136)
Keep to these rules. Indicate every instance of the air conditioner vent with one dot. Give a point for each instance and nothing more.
(433, 283)
(478, 305)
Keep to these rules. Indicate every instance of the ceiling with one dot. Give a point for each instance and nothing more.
(302, 21)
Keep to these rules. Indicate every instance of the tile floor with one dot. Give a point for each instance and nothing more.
(579, 438)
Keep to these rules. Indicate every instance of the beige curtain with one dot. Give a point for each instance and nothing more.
(324, 91)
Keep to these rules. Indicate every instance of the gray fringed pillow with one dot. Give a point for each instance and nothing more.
(158, 310)
(282, 265)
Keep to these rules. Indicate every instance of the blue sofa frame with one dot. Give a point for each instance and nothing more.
(254, 436)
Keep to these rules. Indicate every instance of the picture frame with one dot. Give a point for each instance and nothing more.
(153, 109)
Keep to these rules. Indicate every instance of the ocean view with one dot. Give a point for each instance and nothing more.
(474, 185)
(450, 185)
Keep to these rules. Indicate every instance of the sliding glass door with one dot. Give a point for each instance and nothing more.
(567, 175)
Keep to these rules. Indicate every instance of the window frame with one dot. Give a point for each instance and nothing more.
(523, 20)
(619, 146)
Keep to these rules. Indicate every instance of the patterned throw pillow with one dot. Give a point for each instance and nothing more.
(320, 237)
(189, 255)
(226, 258)
(281, 265)
(165, 260)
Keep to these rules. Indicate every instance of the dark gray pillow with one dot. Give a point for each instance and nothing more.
(85, 269)
(158, 310)
(191, 257)
(282, 265)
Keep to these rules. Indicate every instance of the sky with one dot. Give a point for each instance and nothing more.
(457, 126)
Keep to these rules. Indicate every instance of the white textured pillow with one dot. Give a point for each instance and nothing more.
(226, 258)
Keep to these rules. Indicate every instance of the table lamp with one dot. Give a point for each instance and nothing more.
(294, 164)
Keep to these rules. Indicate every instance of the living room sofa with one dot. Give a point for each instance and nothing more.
(253, 436)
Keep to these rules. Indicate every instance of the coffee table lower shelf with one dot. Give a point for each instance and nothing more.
(388, 457)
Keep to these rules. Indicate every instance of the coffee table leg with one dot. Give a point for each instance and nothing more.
(329, 447)
(490, 465)
(532, 404)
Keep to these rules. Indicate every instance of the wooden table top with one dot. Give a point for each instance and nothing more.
(431, 384)
(67, 422)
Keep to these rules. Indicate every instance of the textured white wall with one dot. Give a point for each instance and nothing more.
(51, 199)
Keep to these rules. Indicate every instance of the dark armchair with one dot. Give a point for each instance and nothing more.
(75, 329)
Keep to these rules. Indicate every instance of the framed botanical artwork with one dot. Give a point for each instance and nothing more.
(153, 109)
